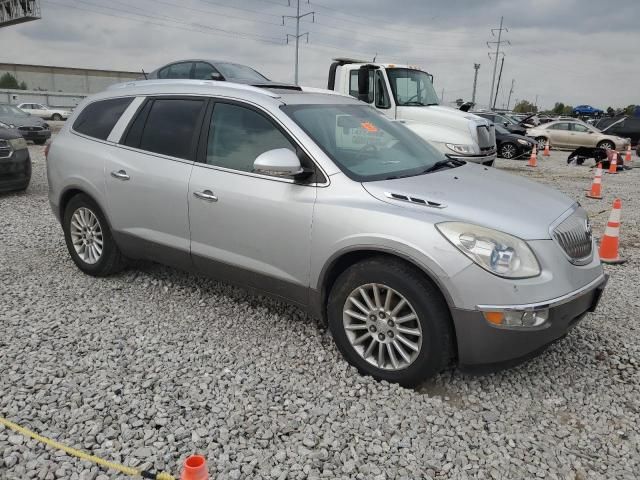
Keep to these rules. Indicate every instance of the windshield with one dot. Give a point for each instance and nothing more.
(242, 72)
(411, 87)
(365, 144)
(508, 119)
(501, 129)
(11, 110)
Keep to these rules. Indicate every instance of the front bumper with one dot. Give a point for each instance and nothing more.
(482, 346)
(36, 135)
(15, 171)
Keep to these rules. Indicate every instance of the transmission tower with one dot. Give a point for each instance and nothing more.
(497, 53)
(476, 67)
(13, 12)
(298, 35)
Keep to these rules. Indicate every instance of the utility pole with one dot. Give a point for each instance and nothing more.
(297, 36)
(495, 99)
(513, 80)
(442, 96)
(476, 67)
(536, 104)
(497, 53)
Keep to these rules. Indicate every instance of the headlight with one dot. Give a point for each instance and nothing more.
(497, 252)
(465, 149)
(18, 143)
(522, 142)
(7, 125)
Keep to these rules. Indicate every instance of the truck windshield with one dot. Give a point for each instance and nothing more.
(363, 143)
(411, 87)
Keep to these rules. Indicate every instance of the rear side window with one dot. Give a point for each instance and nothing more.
(169, 128)
(203, 71)
(98, 118)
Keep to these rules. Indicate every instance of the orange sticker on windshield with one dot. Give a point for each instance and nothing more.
(369, 127)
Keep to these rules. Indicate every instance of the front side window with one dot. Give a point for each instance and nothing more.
(171, 127)
(98, 118)
(382, 96)
(363, 143)
(411, 87)
(238, 135)
(576, 127)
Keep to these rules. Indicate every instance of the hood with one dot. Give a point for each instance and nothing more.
(483, 196)
(9, 134)
(20, 121)
(515, 136)
(441, 115)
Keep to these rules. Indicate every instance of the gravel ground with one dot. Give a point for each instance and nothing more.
(153, 364)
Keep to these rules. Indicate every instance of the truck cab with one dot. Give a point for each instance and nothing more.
(405, 93)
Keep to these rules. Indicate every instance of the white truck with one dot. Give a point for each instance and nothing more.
(406, 93)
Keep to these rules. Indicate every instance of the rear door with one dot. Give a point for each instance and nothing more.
(249, 228)
(558, 134)
(147, 179)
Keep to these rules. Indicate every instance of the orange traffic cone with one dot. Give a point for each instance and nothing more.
(609, 243)
(627, 156)
(546, 152)
(195, 468)
(596, 185)
(533, 159)
(613, 162)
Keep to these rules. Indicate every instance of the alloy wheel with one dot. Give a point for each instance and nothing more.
(508, 151)
(86, 235)
(382, 326)
(542, 142)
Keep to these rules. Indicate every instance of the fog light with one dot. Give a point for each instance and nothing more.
(517, 318)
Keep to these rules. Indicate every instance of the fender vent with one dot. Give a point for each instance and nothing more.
(417, 201)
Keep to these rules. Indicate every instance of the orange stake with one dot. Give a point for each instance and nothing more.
(195, 468)
(596, 185)
(546, 152)
(613, 163)
(533, 159)
(610, 241)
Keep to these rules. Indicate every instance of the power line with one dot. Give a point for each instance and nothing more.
(498, 45)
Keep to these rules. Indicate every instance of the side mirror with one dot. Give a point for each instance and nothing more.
(216, 76)
(506, 124)
(363, 84)
(281, 162)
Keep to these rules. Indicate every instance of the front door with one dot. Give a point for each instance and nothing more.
(246, 228)
(581, 136)
(147, 180)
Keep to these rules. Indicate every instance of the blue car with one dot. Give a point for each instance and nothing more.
(587, 110)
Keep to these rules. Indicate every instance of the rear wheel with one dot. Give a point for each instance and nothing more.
(508, 150)
(89, 238)
(606, 144)
(390, 321)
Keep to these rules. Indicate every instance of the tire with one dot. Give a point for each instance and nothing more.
(433, 322)
(606, 144)
(56, 116)
(39, 142)
(110, 260)
(508, 150)
(542, 141)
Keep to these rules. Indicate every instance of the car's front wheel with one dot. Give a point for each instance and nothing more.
(390, 321)
(56, 116)
(607, 145)
(508, 150)
(88, 238)
(542, 142)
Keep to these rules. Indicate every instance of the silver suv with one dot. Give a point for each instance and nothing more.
(414, 259)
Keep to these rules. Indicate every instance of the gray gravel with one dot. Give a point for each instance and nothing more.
(153, 364)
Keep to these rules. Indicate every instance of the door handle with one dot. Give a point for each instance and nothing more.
(206, 195)
(120, 175)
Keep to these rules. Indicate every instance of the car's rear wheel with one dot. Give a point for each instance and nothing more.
(508, 150)
(89, 238)
(606, 144)
(390, 321)
(542, 142)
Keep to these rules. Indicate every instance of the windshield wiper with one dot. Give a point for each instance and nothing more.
(449, 162)
(412, 103)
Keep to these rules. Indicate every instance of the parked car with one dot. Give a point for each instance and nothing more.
(15, 162)
(587, 110)
(31, 128)
(623, 126)
(573, 134)
(413, 258)
(504, 121)
(202, 69)
(44, 111)
(512, 146)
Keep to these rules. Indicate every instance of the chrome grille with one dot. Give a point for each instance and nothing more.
(31, 129)
(574, 236)
(5, 149)
(486, 138)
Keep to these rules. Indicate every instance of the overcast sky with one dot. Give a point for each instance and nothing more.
(574, 51)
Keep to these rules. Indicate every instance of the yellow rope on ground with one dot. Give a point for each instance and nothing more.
(80, 454)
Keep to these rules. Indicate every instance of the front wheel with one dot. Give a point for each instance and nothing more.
(508, 151)
(56, 116)
(88, 238)
(607, 145)
(542, 142)
(390, 321)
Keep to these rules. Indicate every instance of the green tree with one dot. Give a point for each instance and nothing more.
(629, 110)
(9, 81)
(610, 111)
(524, 106)
(23, 86)
(558, 108)
(568, 110)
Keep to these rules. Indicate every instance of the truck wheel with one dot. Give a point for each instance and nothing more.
(390, 321)
(88, 238)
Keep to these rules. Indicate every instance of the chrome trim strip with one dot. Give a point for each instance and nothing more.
(602, 279)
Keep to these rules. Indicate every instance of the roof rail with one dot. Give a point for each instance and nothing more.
(213, 83)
